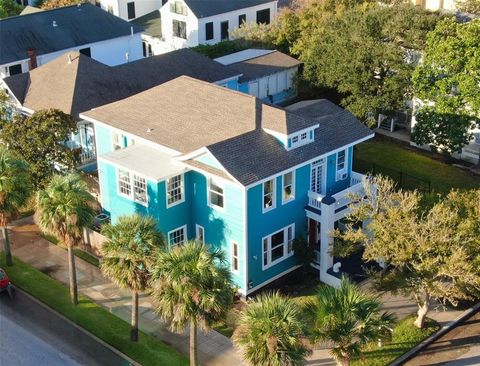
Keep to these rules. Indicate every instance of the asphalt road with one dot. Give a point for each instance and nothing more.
(32, 335)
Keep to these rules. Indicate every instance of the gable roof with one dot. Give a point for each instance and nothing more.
(254, 64)
(207, 8)
(82, 83)
(185, 115)
(58, 29)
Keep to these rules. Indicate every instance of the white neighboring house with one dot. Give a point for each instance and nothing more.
(470, 152)
(31, 40)
(188, 23)
(434, 5)
(130, 9)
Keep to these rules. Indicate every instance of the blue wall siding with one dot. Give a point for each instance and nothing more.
(262, 224)
(334, 186)
(209, 160)
(232, 84)
(221, 226)
(103, 138)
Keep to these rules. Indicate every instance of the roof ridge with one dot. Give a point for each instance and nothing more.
(45, 11)
(246, 96)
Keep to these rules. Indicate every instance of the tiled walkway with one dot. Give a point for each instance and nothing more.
(213, 348)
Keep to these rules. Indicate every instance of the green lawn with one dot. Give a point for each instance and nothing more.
(405, 337)
(92, 317)
(390, 156)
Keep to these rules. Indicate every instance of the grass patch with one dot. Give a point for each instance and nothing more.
(405, 337)
(92, 317)
(390, 156)
(87, 257)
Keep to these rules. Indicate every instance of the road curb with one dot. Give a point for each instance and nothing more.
(426, 342)
(83, 330)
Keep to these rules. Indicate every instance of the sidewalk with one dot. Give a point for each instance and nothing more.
(213, 348)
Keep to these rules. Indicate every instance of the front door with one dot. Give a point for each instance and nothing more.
(317, 176)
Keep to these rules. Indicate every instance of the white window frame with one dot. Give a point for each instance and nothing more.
(131, 183)
(287, 246)
(234, 257)
(138, 182)
(182, 190)
(274, 196)
(284, 200)
(198, 229)
(184, 229)
(219, 184)
(342, 171)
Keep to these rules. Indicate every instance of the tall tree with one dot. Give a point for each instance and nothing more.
(52, 4)
(271, 332)
(447, 82)
(15, 190)
(430, 253)
(192, 287)
(128, 254)
(40, 140)
(65, 208)
(469, 6)
(349, 319)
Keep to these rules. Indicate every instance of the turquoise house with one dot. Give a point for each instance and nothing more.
(221, 166)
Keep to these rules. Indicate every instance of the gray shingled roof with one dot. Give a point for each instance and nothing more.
(206, 8)
(75, 26)
(257, 155)
(85, 83)
(268, 64)
(151, 23)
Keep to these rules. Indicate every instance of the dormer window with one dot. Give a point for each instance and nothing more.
(300, 138)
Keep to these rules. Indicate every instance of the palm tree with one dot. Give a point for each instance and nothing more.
(65, 208)
(271, 332)
(349, 319)
(127, 256)
(15, 190)
(192, 286)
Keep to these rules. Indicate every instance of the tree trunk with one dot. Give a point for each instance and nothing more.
(423, 306)
(73, 276)
(343, 361)
(8, 251)
(193, 343)
(134, 323)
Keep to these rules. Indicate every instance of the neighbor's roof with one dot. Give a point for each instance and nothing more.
(84, 83)
(254, 64)
(139, 158)
(185, 115)
(206, 8)
(30, 9)
(151, 23)
(75, 26)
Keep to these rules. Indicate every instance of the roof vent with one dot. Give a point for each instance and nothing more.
(149, 130)
(69, 59)
(54, 23)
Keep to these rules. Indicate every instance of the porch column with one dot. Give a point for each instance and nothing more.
(326, 241)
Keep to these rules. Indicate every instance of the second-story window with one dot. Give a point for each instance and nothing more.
(177, 7)
(124, 185)
(341, 164)
(269, 195)
(132, 186)
(288, 181)
(175, 193)
(209, 31)
(139, 189)
(179, 29)
(131, 10)
(215, 194)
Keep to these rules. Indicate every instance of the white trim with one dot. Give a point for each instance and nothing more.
(131, 197)
(293, 187)
(118, 166)
(222, 186)
(182, 186)
(184, 228)
(197, 230)
(234, 243)
(309, 161)
(253, 289)
(298, 134)
(323, 164)
(192, 155)
(274, 196)
(345, 165)
(285, 247)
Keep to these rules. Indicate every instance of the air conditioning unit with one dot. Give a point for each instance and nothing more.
(101, 219)
(342, 175)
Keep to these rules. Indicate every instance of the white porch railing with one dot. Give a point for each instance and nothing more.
(356, 187)
(315, 199)
(86, 156)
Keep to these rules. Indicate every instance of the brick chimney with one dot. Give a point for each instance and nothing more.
(32, 55)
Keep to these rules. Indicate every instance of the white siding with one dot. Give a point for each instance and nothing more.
(142, 7)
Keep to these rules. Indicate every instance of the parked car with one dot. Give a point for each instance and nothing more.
(5, 284)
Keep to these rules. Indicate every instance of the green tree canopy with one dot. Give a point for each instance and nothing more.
(9, 8)
(65, 208)
(128, 254)
(448, 80)
(39, 139)
(469, 6)
(271, 332)
(192, 286)
(15, 190)
(349, 318)
(429, 253)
